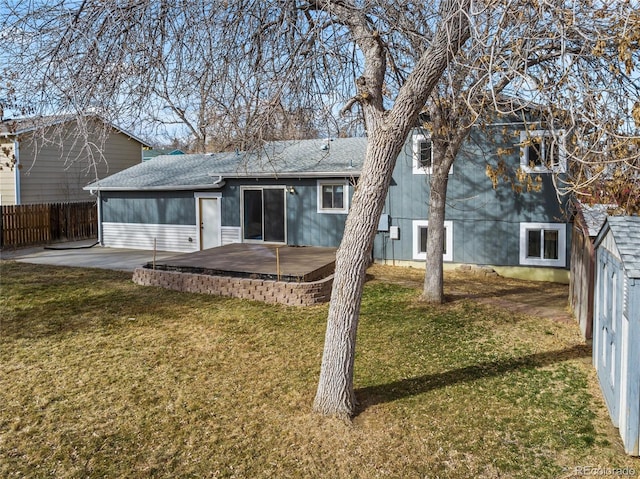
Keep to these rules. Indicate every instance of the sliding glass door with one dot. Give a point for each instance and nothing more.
(263, 214)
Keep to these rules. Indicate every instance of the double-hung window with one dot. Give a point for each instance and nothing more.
(543, 244)
(333, 197)
(542, 151)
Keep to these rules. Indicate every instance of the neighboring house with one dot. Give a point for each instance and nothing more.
(298, 193)
(616, 328)
(150, 154)
(588, 220)
(51, 159)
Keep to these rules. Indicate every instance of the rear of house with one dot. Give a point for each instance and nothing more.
(294, 193)
(518, 232)
(298, 193)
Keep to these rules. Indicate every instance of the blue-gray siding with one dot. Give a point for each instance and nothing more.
(305, 226)
(157, 207)
(486, 221)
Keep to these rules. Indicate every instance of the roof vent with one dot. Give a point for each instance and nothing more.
(326, 146)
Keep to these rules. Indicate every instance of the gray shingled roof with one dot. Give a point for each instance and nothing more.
(283, 159)
(626, 232)
(595, 215)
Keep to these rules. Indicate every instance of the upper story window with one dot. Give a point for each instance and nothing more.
(333, 197)
(423, 155)
(543, 244)
(542, 152)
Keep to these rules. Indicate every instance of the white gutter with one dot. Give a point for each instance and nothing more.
(219, 183)
(99, 205)
(293, 174)
(16, 172)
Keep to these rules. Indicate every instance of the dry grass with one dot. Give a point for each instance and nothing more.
(102, 378)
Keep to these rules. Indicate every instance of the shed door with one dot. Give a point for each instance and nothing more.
(608, 356)
(209, 222)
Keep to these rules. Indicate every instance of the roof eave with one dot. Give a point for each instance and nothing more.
(59, 121)
(154, 188)
(292, 174)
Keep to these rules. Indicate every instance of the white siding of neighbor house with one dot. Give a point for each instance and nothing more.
(7, 175)
(56, 171)
(178, 238)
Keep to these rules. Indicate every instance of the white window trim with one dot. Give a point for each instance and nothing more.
(417, 168)
(197, 196)
(262, 188)
(333, 211)
(525, 138)
(561, 228)
(417, 254)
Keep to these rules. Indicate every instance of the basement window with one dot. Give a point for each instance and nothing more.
(543, 244)
(420, 231)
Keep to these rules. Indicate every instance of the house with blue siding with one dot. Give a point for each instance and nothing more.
(616, 328)
(519, 233)
(298, 193)
(290, 192)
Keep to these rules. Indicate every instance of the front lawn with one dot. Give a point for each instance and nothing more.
(103, 378)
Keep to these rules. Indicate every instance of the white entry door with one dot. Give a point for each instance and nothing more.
(209, 222)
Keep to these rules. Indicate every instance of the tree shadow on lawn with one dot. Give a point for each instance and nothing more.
(384, 393)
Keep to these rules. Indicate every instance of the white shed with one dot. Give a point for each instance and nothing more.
(616, 329)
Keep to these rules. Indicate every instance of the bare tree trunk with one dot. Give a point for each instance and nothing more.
(444, 155)
(335, 396)
(387, 134)
(433, 279)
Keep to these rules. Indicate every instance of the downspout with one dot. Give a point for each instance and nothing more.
(99, 199)
(16, 172)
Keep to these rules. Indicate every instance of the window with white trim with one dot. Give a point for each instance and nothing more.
(423, 155)
(542, 151)
(333, 197)
(543, 244)
(420, 231)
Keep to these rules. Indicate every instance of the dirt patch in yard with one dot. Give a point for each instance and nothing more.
(534, 298)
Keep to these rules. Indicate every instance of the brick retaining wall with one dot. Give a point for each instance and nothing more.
(268, 291)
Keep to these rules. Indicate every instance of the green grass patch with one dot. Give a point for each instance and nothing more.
(103, 378)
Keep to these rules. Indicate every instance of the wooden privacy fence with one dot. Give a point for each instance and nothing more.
(24, 225)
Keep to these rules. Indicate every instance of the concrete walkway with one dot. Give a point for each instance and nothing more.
(83, 254)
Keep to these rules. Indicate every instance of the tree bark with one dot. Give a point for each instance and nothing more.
(433, 279)
(335, 395)
(387, 134)
(444, 155)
